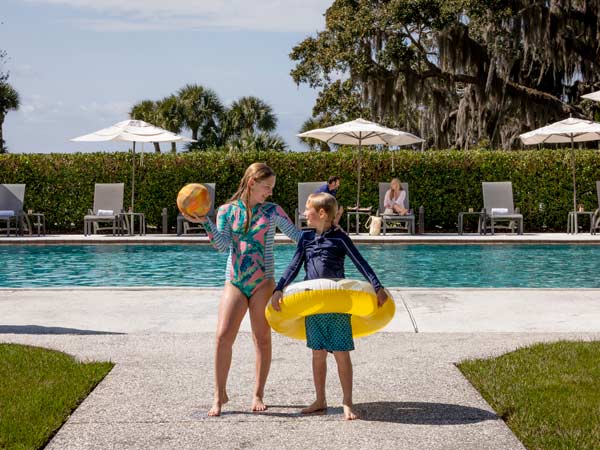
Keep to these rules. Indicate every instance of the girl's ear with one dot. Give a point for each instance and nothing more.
(322, 213)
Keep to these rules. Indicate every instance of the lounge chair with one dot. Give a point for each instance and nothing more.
(595, 225)
(304, 190)
(11, 208)
(395, 221)
(108, 208)
(499, 207)
(184, 226)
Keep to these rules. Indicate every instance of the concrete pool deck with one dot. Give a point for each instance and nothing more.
(406, 385)
(428, 238)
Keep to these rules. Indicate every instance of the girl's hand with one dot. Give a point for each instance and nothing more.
(196, 219)
(276, 300)
(382, 296)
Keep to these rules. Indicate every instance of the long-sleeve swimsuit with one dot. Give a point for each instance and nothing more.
(250, 261)
(323, 257)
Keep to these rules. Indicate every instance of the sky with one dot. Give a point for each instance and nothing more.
(79, 65)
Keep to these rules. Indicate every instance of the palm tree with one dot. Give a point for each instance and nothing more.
(256, 142)
(314, 144)
(146, 110)
(202, 111)
(170, 116)
(250, 114)
(9, 100)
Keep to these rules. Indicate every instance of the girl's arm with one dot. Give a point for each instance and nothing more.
(220, 234)
(294, 266)
(286, 225)
(361, 264)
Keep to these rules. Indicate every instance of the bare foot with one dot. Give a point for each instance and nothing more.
(215, 411)
(258, 405)
(349, 414)
(315, 407)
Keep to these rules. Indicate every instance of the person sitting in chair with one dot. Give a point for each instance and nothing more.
(332, 186)
(394, 199)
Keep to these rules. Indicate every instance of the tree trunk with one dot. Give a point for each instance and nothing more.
(156, 147)
(2, 147)
(173, 147)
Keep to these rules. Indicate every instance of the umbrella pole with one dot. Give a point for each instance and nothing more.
(358, 189)
(133, 175)
(574, 185)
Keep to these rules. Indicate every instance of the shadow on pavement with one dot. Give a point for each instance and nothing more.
(421, 413)
(36, 329)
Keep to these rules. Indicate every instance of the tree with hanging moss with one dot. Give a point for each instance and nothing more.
(457, 72)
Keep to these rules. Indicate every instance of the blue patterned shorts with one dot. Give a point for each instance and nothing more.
(331, 332)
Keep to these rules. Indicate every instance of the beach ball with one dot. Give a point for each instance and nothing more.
(194, 200)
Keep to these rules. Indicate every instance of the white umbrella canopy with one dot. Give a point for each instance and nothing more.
(132, 131)
(592, 96)
(569, 130)
(361, 132)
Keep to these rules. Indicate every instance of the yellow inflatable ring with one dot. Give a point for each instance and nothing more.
(323, 296)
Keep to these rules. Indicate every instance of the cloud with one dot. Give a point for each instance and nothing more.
(118, 109)
(257, 15)
(39, 109)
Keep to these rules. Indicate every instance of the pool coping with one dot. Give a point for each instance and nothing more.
(363, 238)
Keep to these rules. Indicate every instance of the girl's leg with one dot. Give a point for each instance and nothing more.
(344, 364)
(319, 365)
(232, 308)
(261, 334)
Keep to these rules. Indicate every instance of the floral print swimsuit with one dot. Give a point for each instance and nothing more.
(250, 261)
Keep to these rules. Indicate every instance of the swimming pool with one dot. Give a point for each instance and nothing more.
(492, 266)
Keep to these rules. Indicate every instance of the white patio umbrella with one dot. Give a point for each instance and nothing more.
(132, 131)
(361, 132)
(592, 96)
(568, 130)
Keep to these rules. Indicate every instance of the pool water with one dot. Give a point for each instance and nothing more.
(489, 266)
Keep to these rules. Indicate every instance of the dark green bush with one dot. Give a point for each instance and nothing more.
(444, 182)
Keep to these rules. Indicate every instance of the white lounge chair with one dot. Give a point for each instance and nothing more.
(499, 206)
(108, 206)
(304, 190)
(12, 197)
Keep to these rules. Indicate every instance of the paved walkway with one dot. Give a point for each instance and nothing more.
(407, 388)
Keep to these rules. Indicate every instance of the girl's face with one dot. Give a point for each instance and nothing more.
(395, 186)
(261, 190)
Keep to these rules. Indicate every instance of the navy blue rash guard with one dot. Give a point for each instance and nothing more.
(323, 257)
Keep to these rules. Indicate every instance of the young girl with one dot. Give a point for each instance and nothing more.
(246, 228)
(322, 251)
(395, 198)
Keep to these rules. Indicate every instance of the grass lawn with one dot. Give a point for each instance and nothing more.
(548, 394)
(39, 388)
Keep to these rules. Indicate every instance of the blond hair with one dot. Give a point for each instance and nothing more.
(324, 201)
(257, 172)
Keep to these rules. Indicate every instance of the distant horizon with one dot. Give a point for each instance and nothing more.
(88, 63)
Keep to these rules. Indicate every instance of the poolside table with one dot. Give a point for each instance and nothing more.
(572, 220)
(357, 212)
(39, 222)
(480, 224)
(129, 219)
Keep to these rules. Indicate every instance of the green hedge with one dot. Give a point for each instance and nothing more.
(444, 182)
